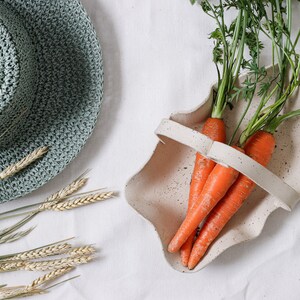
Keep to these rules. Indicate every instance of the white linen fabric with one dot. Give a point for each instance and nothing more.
(157, 60)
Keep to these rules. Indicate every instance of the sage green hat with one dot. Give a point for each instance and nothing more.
(51, 87)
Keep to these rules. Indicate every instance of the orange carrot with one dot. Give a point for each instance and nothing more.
(227, 78)
(260, 147)
(219, 181)
(186, 249)
(215, 129)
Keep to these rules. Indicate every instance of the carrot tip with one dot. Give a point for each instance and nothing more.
(184, 263)
(191, 266)
(172, 249)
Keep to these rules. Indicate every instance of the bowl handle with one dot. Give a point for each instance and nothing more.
(286, 197)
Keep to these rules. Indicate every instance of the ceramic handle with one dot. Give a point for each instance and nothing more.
(286, 196)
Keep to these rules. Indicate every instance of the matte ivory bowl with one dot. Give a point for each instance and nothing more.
(159, 192)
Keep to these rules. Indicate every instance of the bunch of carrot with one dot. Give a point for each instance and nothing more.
(216, 191)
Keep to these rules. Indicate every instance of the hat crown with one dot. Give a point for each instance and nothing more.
(17, 74)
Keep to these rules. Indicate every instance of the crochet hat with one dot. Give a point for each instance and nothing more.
(51, 87)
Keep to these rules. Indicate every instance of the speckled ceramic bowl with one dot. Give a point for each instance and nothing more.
(159, 192)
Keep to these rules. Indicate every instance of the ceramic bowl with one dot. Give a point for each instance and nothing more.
(159, 191)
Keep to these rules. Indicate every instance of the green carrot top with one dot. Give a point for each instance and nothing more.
(230, 43)
(274, 19)
(229, 55)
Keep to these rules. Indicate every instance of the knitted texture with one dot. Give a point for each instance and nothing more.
(18, 74)
(58, 62)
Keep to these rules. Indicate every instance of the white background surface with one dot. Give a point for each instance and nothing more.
(157, 60)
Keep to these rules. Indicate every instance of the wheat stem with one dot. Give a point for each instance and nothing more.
(43, 252)
(62, 194)
(46, 265)
(40, 203)
(72, 188)
(57, 264)
(23, 163)
(49, 277)
(9, 256)
(15, 236)
(16, 226)
(89, 199)
(68, 190)
(35, 287)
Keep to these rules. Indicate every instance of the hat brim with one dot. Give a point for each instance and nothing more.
(68, 95)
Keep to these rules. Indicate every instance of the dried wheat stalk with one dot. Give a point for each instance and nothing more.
(57, 263)
(46, 265)
(35, 287)
(58, 267)
(82, 201)
(70, 189)
(62, 194)
(9, 238)
(43, 252)
(7, 266)
(16, 226)
(23, 163)
(12, 293)
(49, 277)
(82, 251)
(6, 234)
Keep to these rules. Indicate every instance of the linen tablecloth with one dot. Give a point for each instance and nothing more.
(157, 60)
